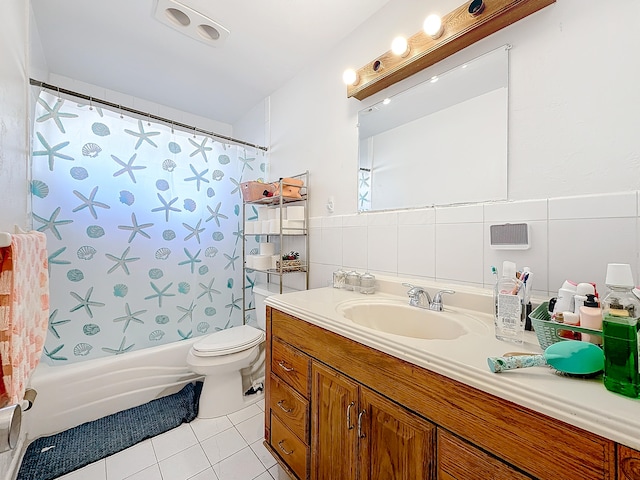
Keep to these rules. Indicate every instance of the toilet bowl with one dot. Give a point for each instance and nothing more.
(221, 357)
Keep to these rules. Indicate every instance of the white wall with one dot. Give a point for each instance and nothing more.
(572, 98)
(13, 114)
(14, 37)
(572, 132)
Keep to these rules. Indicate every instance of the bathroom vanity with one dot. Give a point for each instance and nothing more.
(347, 402)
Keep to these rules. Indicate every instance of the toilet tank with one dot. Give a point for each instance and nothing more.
(260, 293)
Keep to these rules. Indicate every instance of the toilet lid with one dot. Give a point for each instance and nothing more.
(230, 340)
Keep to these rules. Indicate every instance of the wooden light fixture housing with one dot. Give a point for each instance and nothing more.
(463, 26)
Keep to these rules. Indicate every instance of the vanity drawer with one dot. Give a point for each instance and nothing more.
(290, 407)
(290, 448)
(291, 365)
(458, 459)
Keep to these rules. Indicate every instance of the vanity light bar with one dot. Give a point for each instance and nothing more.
(462, 27)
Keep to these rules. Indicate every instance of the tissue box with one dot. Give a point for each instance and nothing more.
(252, 191)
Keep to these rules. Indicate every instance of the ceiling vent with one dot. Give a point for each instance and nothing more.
(191, 23)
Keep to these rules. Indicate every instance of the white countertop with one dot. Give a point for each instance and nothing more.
(584, 403)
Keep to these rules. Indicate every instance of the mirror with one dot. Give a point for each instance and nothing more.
(441, 142)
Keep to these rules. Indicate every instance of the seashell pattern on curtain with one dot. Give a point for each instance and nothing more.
(144, 229)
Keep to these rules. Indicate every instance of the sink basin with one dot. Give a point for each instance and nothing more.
(399, 318)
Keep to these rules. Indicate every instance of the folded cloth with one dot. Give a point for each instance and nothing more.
(24, 310)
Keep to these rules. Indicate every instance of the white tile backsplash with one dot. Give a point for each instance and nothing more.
(354, 247)
(459, 252)
(535, 257)
(460, 214)
(382, 219)
(613, 205)
(572, 237)
(359, 220)
(580, 250)
(417, 217)
(516, 212)
(382, 248)
(417, 250)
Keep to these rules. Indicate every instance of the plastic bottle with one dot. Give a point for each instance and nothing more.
(591, 317)
(509, 321)
(620, 311)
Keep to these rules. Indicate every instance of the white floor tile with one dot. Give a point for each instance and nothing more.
(151, 473)
(278, 473)
(252, 429)
(263, 454)
(132, 460)
(223, 445)
(208, 474)
(93, 471)
(264, 476)
(185, 464)
(174, 441)
(205, 428)
(244, 414)
(240, 466)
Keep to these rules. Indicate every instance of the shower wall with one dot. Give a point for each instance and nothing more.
(144, 229)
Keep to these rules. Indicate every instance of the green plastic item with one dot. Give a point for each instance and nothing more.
(571, 356)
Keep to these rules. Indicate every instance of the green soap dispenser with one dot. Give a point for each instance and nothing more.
(620, 312)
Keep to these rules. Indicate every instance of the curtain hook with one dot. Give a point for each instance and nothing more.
(59, 98)
(148, 119)
(120, 106)
(90, 103)
(194, 132)
(172, 131)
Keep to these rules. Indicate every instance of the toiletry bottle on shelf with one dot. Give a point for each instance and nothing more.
(509, 321)
(620, 311)
(591, 317)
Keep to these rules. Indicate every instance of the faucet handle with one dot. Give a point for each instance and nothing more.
(436, 304)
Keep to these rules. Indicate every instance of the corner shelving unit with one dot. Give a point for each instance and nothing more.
(277, 275)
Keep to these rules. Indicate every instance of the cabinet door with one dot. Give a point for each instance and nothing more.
(395, 444)
(628, 463)
(333, 429)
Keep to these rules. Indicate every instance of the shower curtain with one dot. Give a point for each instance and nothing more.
(143, 225)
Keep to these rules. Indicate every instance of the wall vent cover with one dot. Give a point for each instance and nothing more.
(510, 236)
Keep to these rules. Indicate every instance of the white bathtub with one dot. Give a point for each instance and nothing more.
(70, 395)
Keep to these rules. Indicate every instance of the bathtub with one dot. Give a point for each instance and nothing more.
(70, 395)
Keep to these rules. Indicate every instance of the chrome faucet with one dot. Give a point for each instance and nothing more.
(419, 297)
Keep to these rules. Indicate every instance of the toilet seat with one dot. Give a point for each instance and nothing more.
(228, 341)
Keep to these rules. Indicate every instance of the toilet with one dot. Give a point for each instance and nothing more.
(226, 356)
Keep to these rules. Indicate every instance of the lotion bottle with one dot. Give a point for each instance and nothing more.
(591, 317)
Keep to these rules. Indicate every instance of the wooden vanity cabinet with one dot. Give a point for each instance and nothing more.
(416, 424)
(357, 434)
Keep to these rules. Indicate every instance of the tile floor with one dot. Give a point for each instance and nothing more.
(225, 448)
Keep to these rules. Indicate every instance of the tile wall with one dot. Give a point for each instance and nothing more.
(570, 238)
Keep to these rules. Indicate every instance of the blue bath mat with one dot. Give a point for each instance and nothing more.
(50, 457)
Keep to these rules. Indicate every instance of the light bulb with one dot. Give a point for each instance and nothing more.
(386, 101)
(400, 46)
(350, 77)
(433, 26)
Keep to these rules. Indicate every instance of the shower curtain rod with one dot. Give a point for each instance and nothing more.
(142, 114)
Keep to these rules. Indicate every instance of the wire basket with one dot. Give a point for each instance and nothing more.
(550, 332)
